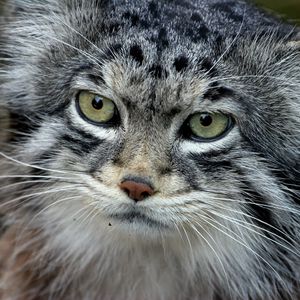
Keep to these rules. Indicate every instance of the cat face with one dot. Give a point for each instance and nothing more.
(205, 116)
(158, 82)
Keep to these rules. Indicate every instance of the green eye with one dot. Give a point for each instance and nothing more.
(96, 108)
(209, 126)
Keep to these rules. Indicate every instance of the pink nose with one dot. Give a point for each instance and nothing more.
(136, 190)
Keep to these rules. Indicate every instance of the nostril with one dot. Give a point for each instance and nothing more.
(145, 194)
(136, 190)
(126, 191)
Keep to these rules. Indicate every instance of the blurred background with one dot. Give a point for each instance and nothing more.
(288, 9)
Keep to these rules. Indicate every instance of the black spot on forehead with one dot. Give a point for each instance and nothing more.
(196, 17)
(133, 17)
(153, 9)
(197, 33)
(207, 65)
(162, 39)
(127, 15)
(197, 21)
(136, 53)
(181, 63)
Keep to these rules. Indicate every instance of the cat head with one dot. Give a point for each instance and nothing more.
(198, 118)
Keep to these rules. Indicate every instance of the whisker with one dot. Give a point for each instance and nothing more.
(240, 223)
(269, 206)
(34, 176)
(24, 197)
(210, 246)
(22, 183)
(246, 246)
(246, 215)
(34, 166)
(189, 243)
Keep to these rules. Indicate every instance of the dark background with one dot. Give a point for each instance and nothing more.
(289, 9)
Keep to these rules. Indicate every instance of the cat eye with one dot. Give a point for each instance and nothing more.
(96, 108)
(209, 126)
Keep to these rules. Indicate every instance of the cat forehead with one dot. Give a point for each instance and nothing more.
(149, 49)
(196, 21)
(161, 45)
(168, 23)
(174, 78)
(154, 84)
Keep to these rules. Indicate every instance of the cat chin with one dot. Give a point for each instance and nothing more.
(139, 226)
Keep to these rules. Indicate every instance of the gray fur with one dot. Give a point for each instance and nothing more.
(224, 222)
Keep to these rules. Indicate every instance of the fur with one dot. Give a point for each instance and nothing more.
(224, 220)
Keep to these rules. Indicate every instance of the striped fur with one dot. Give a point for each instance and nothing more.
(224, 221)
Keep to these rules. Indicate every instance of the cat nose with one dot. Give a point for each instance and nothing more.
(136, 190)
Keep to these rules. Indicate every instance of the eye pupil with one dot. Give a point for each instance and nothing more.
(206, 120)
(97, 103)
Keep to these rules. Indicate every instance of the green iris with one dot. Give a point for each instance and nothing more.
(96, 108)
(208, 126)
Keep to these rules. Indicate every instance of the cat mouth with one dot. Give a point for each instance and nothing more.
(137, 217)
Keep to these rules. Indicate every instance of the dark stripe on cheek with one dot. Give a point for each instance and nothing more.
(291, 182)
(47, 155)
(257, 206)
(22, 125)
(85, 135)
(42, 162)
(187, 172)
(37, 172)
(262, 212)
(78, 145)
(211, 164)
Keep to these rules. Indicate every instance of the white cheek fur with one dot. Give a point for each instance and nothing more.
(190, 146)
(108, 134)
